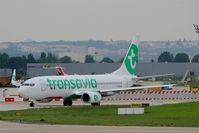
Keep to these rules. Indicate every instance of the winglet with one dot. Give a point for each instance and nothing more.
(60, 71)
(14, 82)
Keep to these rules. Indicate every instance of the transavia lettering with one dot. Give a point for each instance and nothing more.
(72, 84)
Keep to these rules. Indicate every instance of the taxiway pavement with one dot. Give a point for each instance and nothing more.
(11, 127)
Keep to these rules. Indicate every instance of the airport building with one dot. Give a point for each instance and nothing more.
(5, 76)
(5, 72)
(142, 69)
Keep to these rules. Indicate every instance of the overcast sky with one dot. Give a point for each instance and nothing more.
(98, 19)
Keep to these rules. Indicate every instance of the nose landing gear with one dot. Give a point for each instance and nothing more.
(67, 102)
(32, 104)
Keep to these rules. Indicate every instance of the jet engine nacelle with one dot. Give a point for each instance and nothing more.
(91, 97)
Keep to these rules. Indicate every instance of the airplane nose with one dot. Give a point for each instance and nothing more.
(22, 92)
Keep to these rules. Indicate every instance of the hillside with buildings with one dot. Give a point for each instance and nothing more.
(114, 49)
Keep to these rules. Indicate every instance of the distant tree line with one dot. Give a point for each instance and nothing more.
(179, 58)
(20, 62)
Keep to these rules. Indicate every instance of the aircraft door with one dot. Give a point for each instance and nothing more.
(42, 85)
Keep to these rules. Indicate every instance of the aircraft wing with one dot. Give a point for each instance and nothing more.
(154, 76)
(134, 88)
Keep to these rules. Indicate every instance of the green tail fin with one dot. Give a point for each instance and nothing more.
(130, 61)
(131, 58)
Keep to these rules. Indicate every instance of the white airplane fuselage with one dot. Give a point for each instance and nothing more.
(65, 86)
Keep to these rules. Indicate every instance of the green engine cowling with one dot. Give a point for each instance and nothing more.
(91, 97)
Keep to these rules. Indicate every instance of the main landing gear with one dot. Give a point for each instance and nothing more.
(67, 102)
(32, 104)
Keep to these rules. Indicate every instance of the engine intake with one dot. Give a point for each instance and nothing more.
(91, 97)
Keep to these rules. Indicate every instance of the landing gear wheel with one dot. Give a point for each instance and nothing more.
(67, 102)
(70, 102)
(95, 104)
(32, 104)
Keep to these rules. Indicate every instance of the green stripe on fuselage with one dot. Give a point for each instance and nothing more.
(71, 83)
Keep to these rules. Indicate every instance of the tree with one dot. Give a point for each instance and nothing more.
(42, 58)
(65, 59)
(107, 60)
(181, 57)
(31, 59)
(4, 58)
(51, 58)
(18, 63)
(165, 57)
(195, 58)
(89, 59)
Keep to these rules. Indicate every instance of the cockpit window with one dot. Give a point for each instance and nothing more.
(28, 84)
